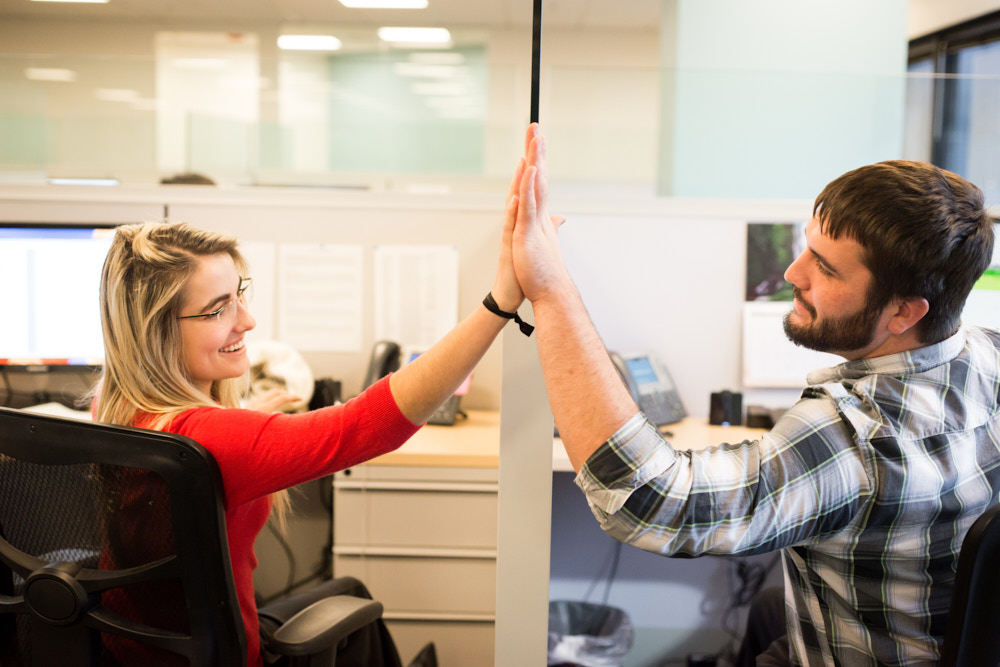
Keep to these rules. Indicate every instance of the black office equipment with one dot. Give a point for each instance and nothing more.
(725, 408)
(536, 58)
(384, 359)
(113, 550)
(651, 387)
(974, 617)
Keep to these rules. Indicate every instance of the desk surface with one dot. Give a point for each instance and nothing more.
(475, 442)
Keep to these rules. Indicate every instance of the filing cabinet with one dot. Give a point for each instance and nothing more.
(423, 539)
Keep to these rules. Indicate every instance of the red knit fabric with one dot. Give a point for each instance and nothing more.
(260, 453)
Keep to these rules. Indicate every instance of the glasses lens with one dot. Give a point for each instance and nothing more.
(229, 312)
(246, 293)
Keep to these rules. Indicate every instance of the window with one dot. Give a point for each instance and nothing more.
(952, 95)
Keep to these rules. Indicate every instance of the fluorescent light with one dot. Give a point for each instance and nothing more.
(83, 181)
(308, 43)
(415, 35)
(385, 4)
(50, 74)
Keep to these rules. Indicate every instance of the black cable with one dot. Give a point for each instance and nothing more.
(745, 578)
(612, 571)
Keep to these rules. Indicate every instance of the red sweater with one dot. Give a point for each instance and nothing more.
(260, 453)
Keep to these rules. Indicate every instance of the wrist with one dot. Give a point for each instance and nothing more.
(491, 305)
(506, 300)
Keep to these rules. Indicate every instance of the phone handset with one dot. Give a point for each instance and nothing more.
(384, 360)
(651, 387)
(627, 378)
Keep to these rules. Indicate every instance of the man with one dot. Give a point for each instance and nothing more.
(868, 484)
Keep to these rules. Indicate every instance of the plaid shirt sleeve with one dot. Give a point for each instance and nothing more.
(802, 480)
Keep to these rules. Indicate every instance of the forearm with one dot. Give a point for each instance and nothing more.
(421, 386)
(589, 401)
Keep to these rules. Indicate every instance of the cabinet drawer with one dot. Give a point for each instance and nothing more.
(422, 515)
(457, 643)
(417, 585)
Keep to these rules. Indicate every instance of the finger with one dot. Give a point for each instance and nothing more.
(542, 184)
(526, 207)
(533, 131)
(510, 214)
(515, 182)
(558, 221)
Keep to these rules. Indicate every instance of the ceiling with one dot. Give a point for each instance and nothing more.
(579, 14)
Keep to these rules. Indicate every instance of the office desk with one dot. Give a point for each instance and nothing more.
(475, 442)
(470, 443)
(419, 527)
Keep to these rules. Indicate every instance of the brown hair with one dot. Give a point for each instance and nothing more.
(925, 231)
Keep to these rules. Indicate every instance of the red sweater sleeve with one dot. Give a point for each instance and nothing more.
(261, 453)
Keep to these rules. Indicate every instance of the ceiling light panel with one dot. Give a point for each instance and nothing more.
(415, 35)
(308, 43)
(385, 4)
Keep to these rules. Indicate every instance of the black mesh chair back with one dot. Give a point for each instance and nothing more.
(974, 619)
(113, 548)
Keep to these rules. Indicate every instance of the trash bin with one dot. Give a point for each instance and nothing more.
(588, 635)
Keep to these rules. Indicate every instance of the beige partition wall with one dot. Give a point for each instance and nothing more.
(524, 512)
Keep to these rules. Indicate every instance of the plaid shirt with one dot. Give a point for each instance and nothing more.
(868, 485)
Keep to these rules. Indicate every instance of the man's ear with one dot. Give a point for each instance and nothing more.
(908, 312)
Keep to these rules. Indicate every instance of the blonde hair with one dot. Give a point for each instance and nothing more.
(142, 286)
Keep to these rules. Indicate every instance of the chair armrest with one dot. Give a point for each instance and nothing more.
(323, 624)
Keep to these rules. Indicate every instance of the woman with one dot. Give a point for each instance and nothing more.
(174, 314)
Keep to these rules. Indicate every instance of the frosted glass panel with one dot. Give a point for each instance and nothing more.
(402, 111)
(779, 135)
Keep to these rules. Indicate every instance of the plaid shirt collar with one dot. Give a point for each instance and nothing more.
(903, 363)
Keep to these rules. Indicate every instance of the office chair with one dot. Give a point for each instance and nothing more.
(113, 551)
(974, 618)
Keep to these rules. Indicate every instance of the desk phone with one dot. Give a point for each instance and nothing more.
(651, 387)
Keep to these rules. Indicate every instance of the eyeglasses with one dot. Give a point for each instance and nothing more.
(225, 315)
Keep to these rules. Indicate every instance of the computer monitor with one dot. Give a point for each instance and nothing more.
(49, 312)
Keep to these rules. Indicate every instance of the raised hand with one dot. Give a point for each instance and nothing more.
(506, 291)
(537, 258)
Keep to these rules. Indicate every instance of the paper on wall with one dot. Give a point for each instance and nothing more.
(319, 296)
(416, 293)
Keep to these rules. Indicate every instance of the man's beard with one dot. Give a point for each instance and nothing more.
(839, 334)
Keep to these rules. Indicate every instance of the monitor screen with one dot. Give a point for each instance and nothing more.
(50, 314)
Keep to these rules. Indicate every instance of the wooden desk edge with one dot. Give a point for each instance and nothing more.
(449, 446)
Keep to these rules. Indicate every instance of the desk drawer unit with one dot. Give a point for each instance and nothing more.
(424, 542)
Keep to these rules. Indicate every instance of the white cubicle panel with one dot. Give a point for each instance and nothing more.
(275, 221)
(76, 205)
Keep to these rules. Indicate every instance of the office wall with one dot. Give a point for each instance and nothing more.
(592, 80)
(927, 16)
(772, 99)
(662, 275)
(472, 225)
